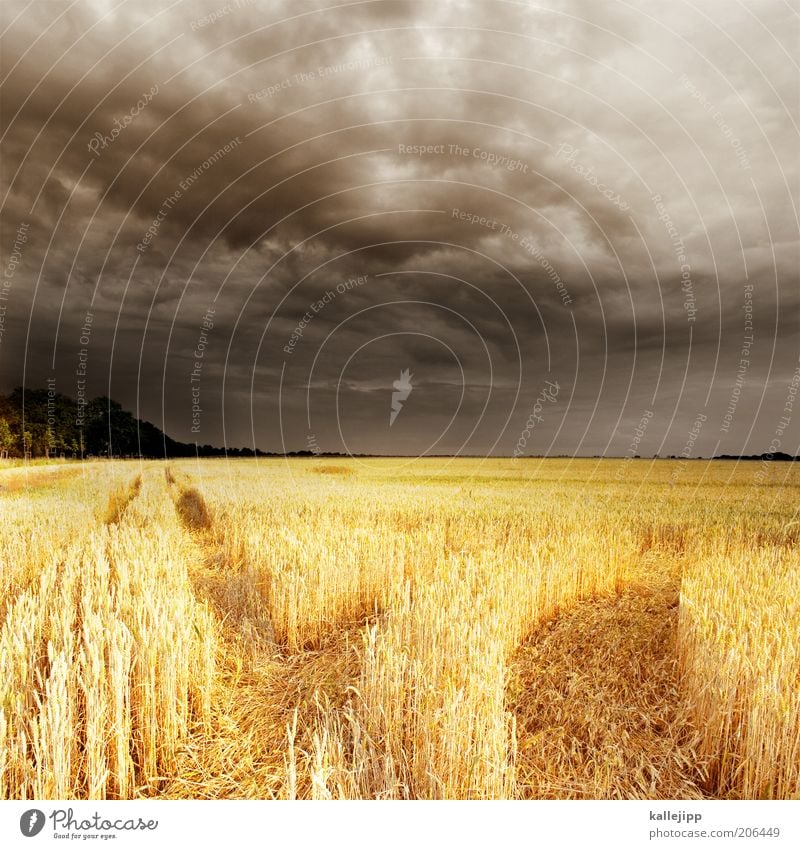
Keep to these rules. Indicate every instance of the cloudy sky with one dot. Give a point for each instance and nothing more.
(573, 224)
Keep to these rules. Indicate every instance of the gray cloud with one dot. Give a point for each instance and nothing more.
(579, 192)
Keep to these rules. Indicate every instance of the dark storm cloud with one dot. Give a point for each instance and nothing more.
(580, 192)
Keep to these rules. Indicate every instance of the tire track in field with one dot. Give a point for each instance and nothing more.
(120, 499)
(261, 689)
(596, 697)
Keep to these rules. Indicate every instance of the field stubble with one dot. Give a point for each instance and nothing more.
(396, 630)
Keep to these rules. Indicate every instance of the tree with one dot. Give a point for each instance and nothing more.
(7, 438)
(51, 427)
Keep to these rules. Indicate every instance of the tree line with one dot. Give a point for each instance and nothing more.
(43, 423)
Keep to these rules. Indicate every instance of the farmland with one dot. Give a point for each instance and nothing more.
(394, 628)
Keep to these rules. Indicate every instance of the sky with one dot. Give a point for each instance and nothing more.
(417, 227)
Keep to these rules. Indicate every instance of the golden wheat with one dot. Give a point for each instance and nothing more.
(105, 662)
(740, 655)
(396, 629)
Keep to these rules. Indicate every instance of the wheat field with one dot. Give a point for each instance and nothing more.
(400, 629)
